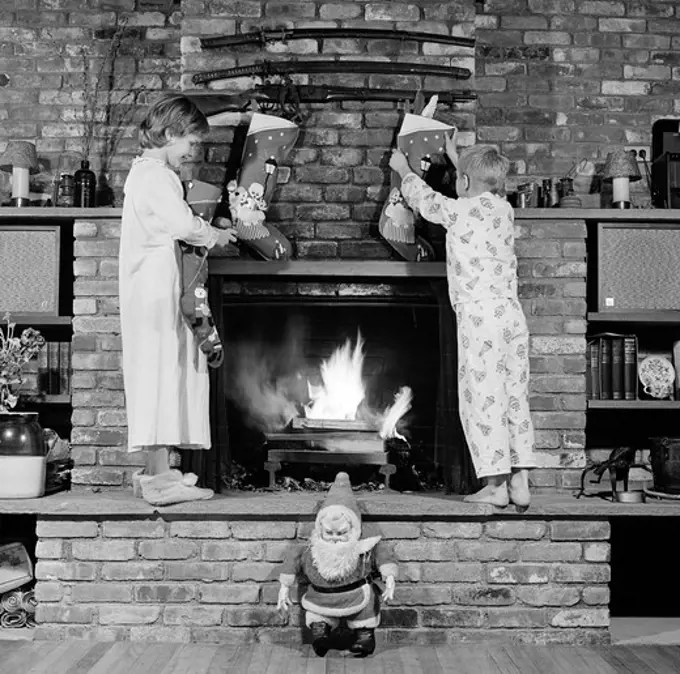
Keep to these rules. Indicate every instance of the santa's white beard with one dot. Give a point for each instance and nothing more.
(334, 561)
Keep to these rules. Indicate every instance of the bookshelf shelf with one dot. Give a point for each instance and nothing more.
(48, 399)
(633, 404)
(669, 317)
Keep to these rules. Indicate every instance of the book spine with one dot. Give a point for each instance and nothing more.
(595, 370)
(65, 367)
(617, 368)
(630, 367)
(605, 368)
(53, 367)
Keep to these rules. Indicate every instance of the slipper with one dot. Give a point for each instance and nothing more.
(172, 487)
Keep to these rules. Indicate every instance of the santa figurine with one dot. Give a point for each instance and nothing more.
(340, 569)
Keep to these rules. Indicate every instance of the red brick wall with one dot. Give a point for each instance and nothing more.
(560, 80)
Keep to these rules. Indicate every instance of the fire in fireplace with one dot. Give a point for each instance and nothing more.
(336, 424)
(343, 380)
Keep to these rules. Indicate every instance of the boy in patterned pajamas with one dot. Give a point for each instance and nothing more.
(493, 339)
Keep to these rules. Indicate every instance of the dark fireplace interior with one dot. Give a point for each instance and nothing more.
(275, 344)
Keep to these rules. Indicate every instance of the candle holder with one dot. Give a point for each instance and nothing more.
(19, 158)
(621, 168)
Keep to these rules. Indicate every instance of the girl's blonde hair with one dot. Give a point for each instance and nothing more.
(485, 164)
(174, 114)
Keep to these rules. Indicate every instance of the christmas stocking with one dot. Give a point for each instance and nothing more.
(268, 143)
(203, 199)
(419, 138)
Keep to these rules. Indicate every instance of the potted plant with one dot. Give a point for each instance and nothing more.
(22, 441)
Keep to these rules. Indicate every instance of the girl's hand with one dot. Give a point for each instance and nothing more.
(451, 146)
(399, 163)
(221, 223)
(226, 236)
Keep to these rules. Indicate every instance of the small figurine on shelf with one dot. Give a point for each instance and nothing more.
(340, 569)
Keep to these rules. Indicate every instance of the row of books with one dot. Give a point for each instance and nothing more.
(50, 372)
(611, 367)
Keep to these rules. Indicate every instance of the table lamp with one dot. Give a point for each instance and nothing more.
(621, 168)
(20, 158)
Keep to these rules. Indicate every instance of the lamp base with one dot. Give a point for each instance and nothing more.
(621, 204)
(20, 202)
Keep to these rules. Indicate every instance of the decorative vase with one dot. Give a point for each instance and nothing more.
(22, 455)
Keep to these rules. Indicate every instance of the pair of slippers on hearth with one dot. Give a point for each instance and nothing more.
(168, 488)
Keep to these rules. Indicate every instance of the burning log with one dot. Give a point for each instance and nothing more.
(301, 423)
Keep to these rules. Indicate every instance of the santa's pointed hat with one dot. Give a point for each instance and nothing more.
(340, 496)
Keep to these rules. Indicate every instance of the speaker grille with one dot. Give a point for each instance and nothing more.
(639, 269)
(29, 271)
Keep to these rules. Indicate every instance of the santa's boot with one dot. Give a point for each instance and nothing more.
(321, 633)
(364, 643)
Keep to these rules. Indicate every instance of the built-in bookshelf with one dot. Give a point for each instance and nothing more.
(47, 378)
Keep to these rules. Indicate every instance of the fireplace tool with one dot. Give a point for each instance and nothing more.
(618, 465)
(328, 441)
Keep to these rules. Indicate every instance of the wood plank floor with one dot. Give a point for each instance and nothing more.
(86, 657)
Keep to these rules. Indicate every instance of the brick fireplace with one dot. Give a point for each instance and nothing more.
(552, 289)
(111, 567)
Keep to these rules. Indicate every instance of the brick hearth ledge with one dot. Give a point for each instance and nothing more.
(115, 568)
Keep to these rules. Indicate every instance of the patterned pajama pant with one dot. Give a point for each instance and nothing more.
(493, 385)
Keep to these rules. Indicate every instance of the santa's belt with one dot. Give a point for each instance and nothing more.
(342, 588)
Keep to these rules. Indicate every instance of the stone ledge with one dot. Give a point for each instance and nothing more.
(286, 506)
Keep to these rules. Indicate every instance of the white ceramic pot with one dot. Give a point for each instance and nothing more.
(22, 476)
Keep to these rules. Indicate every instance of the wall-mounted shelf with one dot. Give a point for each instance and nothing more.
(38, 319)
(669, 317)
(633, 404)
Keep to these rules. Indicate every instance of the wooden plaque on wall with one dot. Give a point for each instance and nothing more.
(29, 269)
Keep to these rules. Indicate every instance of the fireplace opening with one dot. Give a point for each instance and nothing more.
(276, 349)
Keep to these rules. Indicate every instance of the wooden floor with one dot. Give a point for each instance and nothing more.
(86, 657)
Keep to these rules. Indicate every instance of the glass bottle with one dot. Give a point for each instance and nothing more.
(86, 186)
(66, 191)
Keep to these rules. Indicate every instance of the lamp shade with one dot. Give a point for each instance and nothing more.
(621, 164)
(19, 154)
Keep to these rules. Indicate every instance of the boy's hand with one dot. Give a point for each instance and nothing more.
(226, 236)
(399, 163)
(451, 146)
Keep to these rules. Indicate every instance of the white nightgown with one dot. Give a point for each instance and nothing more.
(165, 374)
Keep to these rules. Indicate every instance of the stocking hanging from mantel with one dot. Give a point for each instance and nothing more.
(268, 142)
(420, 138)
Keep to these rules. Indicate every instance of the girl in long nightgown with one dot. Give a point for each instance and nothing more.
(165, 373)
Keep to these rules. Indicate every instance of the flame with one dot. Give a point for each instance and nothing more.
(342, 388)
(342, 391)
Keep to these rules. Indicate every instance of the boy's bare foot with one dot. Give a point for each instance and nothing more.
(519, 488)
(493, 494)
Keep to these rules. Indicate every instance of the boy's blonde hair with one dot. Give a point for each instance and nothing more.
(485, 164)
(172, 113)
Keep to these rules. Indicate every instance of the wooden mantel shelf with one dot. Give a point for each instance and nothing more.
(61, 213)
(599, 214)
(374, 269)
